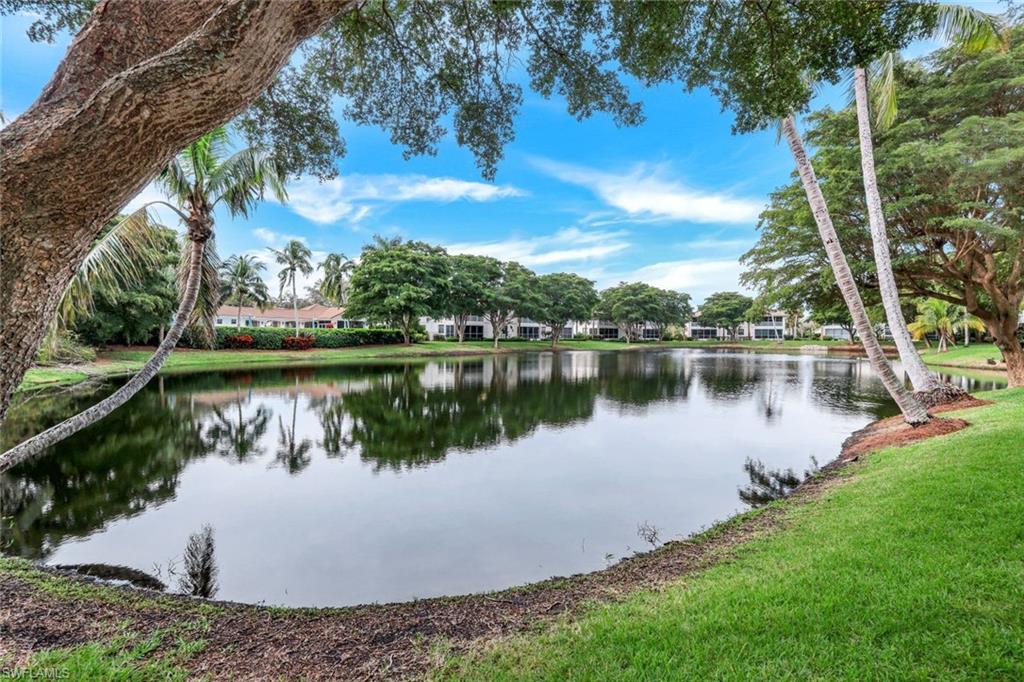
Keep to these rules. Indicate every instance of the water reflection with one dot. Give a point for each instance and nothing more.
(199, 578)
(767, 485)
(411, 479)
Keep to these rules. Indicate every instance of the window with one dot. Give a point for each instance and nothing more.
(474, 331)
(447, 329)
(703, 333)
(767, 334)
(234, 320)
(608, 332)
(650, 333)
(529, 332)
(220, 320)
(567, 333)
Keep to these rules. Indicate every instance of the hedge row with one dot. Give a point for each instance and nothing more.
(272, 338)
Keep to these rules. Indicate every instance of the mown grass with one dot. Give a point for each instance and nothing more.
(913, 569)
(125, 657)
(975, 356)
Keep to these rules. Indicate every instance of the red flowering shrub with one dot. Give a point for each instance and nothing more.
(298, 342)
(238, 341)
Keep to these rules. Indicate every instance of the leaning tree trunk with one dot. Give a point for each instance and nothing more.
(135, 86)
(920, 377)
(913, 411)
(35, 445)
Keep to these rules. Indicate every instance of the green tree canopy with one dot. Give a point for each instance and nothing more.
(561, 298)
(629, 305)
(950, 171)
(509, 291)
(469, 278)
(726, 309)
(398, 282)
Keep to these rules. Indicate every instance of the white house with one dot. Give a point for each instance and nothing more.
(310, 317)
(478, 327)
(772, 325)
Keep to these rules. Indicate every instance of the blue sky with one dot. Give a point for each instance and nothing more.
(673, 202)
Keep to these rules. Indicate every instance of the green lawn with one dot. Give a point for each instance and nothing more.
(975, 356)
(914, 569)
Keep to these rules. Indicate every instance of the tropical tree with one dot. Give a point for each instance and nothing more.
(970, 29)
(399, 282)
(198, 180)
(509, 291)
(469, 276)
(727, 309)
(337, 269)
(913, 411)
(950, 175)
(242, 284)
(629, 305)
(561, 298)
(942, 318)
(294, 258)
(673, 309)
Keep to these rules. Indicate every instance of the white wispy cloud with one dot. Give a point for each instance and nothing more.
(353, 197)
(697, 277)
(649, 192)
(569, 245)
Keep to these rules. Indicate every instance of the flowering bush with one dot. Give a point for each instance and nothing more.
(238, 341)
(298, 342)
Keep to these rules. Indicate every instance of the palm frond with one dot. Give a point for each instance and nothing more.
(242, 179)
(882, 90)
(117, 260)
(970, 29)
(176, 179)
(205, 310)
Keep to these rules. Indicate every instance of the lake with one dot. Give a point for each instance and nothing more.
(342, 485)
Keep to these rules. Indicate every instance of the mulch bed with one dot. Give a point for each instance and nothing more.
(394, 640)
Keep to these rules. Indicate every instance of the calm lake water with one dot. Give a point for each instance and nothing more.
(344, 485)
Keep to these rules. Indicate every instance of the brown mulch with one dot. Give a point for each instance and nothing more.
(886, 433)
(389, 641)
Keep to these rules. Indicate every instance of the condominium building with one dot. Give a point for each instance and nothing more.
(310, 317)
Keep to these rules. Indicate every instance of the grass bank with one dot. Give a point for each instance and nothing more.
(914, 569)
(907, 565)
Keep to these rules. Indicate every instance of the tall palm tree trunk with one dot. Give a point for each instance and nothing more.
(295, 305)
(238, 320)
(55, 434)
(913, 365)
(913, 411)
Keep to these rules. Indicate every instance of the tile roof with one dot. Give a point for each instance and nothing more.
(309, 312)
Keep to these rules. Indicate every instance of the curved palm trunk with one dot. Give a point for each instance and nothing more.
(55, 434)
(913, 411)
(920, 377)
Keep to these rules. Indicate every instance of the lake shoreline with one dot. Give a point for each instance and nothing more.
(44, 608)
(122, 362)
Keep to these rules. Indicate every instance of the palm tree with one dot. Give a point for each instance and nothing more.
(241, 283)
(941, 318)
(295, 258)
(913, 411)
(200, 178)
(337, 268)
(972, 30)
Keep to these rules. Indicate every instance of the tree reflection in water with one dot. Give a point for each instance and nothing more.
(393, 417)
(768, 485)
(199, 578)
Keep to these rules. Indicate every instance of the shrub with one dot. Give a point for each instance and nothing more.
(238, 341)
(298, 342)
(272, 338)
(64, 348)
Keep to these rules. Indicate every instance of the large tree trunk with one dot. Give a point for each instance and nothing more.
(913, 365)
(136, 85)
(295, 306)
(1013, 356)
(913, 411)
(35, 445)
